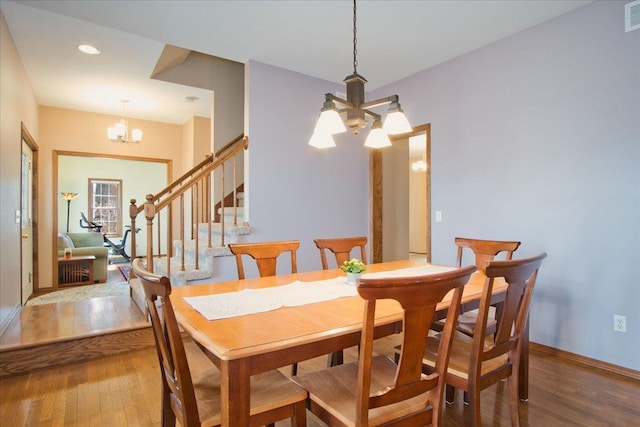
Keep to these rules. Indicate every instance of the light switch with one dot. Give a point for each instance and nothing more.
(17, 217)
(438, 216)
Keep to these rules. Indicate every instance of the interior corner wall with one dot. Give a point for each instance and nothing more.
(536, 138)
(297, 191)
(17, 104)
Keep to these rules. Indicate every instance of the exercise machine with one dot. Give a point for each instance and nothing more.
(116, 248)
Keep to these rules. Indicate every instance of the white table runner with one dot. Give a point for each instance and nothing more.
(250, 301)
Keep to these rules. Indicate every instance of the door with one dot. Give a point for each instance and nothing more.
(26, 221)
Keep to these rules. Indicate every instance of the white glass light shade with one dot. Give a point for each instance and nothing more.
(396, 122)
(136, 135)
(112, 133)
(321, 140)
(117, 132)
(329, 123)
(377, 138)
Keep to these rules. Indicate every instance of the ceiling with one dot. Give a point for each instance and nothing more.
(395, 40)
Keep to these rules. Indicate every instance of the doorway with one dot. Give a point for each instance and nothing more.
(74, 173)
(28, 220)
(401, 197)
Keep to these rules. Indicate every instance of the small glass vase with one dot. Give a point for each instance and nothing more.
(353, 277)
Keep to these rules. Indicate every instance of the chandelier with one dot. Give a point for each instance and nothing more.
(119, 132)
(357, 111)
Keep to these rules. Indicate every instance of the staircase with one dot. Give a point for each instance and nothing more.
(206, 254)
(183, 235)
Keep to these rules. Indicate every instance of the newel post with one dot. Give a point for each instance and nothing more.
(133, 213)
(149, 213)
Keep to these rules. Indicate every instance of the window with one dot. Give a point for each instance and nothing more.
(105, 205)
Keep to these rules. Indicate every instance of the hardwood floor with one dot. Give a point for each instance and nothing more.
(124, 390)
(48, 335)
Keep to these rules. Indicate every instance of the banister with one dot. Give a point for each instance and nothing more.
(229, 145)
(201, 207)
(207, 164)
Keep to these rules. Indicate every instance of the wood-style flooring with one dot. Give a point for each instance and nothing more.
(71, 331)
(123, 389)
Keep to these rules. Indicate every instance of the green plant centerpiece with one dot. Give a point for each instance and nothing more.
(354, 269)
(353, 266)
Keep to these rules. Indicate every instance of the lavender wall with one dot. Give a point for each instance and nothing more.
(537, 138)
(296, 191)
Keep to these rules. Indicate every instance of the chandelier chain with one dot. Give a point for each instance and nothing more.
(355, 40)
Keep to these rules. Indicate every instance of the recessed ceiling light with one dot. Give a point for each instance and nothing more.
(88, 49)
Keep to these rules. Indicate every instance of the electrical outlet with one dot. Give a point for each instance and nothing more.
(619, 323)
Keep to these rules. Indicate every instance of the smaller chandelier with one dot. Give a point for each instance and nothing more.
(120, 131)
(357, 111)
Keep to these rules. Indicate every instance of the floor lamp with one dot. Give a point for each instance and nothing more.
(69, 197)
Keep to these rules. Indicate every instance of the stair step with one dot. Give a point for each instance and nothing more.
(87, 339)
(179, 277)
(229, 212)
(231, 232)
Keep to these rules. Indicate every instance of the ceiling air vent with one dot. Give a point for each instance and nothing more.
(632, 16)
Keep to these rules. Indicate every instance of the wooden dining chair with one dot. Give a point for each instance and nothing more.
(190, 381)
(265, 254)
(481, 361)
(483, 250)
(341, 248)
(375, 391)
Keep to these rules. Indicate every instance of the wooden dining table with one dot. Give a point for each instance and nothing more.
(246, 345)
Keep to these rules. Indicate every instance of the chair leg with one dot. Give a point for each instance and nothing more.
(294, 369)
(168, 416)
(514, 399)
(450, 392)
(474, 407)
(336, 358)
(299, 418)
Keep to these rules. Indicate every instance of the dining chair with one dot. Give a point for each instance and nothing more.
(265, 254)
(483, 250)
(481, 361)
(341, 248)
(190, 381)
(375, 390)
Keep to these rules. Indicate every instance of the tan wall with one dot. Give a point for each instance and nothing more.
(417, 209)
(77, 131)
(17, 104)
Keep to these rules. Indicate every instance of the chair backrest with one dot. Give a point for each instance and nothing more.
(520, 276)
(265, 254)
(174, 366)
(341, 248)
(418, 297)
(485, 250)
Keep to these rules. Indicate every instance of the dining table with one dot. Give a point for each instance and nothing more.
(243, 344)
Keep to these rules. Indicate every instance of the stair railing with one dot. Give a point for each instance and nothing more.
(195, 184)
